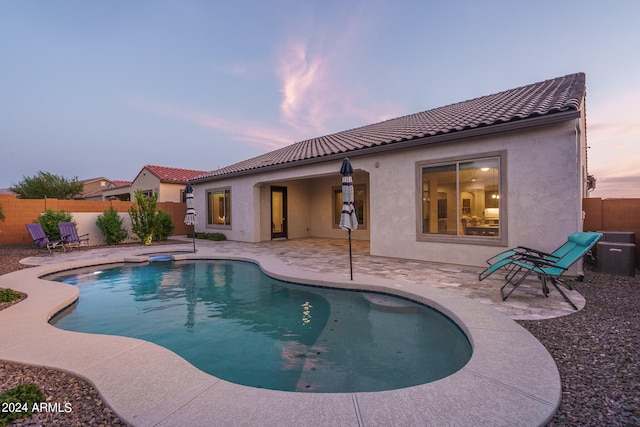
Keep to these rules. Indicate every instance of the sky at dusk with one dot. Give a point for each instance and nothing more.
(101, 88)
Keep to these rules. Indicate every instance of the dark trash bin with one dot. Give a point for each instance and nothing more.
(618, 236)
(617, 253)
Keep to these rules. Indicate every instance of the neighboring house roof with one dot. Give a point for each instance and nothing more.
(91, 180)
(555, 99)
(93, 187)
(173, 175)
(90, 194)
(119, 183)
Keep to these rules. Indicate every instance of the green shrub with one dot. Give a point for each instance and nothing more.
(8, 295)
(209, 236)
(110, 224)
(22, 397)
(143, 216)
(164, 226)
(49, 220)
(147, 222)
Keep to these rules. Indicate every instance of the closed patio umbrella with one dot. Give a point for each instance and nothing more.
(190, 217)
(348, 218)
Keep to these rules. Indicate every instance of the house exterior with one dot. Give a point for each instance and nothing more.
(93, 188)
(118, 189)
(454, 184)
(168, 183)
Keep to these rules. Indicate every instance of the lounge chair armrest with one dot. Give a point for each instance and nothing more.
(523, 250)
(542, 262)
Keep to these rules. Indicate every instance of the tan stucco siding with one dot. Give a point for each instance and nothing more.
(542, 191)
(541, 194)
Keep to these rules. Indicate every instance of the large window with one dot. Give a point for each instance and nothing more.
(219, 207)
(359, 196)
(462, 198)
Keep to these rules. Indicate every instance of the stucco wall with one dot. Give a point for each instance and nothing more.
(298, 209)
(309, 197)
(170, 192)
(243, 209)
(86, 223)
(145, 181)
(167, 192)
(541, 194)
(322, 222)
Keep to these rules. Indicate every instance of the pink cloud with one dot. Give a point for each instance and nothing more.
(299, 77)
(607, 130)
(317, 99)
(255, 134)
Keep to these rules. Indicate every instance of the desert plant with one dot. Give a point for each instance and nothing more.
(2, 217)
(164, 226)
(209, 236)
(146, 221)
(110, 224)
(143, 216)
(21, 399)
(46, 184)
(49, 220)
(8, 295)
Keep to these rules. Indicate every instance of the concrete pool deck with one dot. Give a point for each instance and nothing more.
(510, 380)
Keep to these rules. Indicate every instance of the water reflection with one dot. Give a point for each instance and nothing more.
(306, 312)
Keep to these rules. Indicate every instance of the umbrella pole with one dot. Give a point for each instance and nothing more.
(350, 257)
(194, 238)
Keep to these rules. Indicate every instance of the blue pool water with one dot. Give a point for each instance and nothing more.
(231, 320)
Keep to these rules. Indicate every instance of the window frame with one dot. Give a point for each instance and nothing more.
(502, 238)
(334, 206)
(229, 211)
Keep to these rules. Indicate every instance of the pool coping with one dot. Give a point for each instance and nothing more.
(511, 379)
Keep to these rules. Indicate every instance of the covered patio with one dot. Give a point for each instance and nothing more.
(309, 207)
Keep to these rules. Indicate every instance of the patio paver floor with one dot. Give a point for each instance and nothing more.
(330, 256)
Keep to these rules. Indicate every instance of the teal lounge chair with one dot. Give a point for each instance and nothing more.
(40, 238)
(520, 262)
(503, 260)
(69, 235)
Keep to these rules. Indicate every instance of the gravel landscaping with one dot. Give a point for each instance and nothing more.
(597, 351)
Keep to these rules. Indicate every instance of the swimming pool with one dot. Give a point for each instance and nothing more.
(233, 321)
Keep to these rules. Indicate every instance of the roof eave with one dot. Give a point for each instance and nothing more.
(430, 139)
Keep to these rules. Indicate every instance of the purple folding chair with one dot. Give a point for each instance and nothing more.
(40, 238)
(69, 235)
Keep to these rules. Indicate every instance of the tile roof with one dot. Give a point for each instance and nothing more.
(91, 194)
(119, 183)
(173, 175)
(90, 180)
(562, 94)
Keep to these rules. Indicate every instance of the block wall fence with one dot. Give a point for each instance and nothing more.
(600, 215)
(613, 215)
(19, 212)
